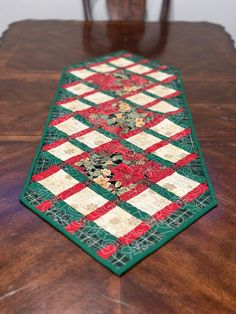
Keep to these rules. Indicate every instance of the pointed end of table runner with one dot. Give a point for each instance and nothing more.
(119, 170)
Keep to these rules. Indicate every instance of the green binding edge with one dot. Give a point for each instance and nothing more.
(138, 258)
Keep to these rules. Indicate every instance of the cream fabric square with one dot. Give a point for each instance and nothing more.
(167, 128)
(171, 153)
(85, 201)
(103, 68)
(178, 184)
(71, 126)
(93, 139)
(161, 90)
(99, 98)
(121, 62)
(58, 182)
(118, 222)
(143, 140)
(65, 151)
(163, 107)
(149, 201)
(75, 105)
(139, 68)
(83, 73)
(141, 99)
(79, 89)
(159, 76)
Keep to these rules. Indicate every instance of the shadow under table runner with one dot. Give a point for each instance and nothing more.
(119, 170)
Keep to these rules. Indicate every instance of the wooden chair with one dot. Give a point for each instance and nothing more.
(133, 14)
(127, 10)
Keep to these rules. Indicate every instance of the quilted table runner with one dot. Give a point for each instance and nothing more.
(119, 170)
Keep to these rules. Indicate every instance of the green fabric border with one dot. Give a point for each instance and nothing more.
(172, 234)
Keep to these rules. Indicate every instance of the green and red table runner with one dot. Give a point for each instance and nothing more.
(119, 170)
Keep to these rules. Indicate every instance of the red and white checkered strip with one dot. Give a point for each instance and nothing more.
(121, 62)
(75, 105)
(97, 97)
(78, 107)
(92, 94)
(75, 129)
(163, 148)
(107, 214)
(64, 150)
(83, 75)
(86, 92)
(89, 136)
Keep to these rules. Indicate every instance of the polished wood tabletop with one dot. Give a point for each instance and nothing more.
(41, 270)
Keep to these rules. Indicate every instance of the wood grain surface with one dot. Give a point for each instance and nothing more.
(41, 270)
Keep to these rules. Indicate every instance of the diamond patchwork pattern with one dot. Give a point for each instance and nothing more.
(63, 182)
(141, 99)
(118, 222)
(139, 69)
(149, 201)
(79, 88)
(75, 105)
(98, 98)
(119, 167)
(121, 62)
(163, 107)
(178, 184)
(171, 153)
(94, 139)
(159, 75)
(143, 140)
(71, 126)
(85, 201)
(82, 73)
(102, 68)
(65, 151)
(167, 128)
(161, 91)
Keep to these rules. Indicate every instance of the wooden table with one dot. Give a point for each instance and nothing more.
(42, 271)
